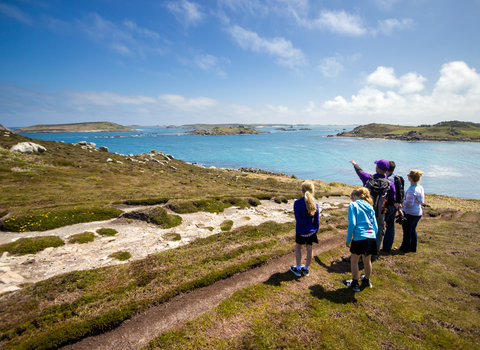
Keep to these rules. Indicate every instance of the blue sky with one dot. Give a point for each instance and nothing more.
(239, 61)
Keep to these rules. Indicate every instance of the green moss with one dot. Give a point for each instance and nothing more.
(107, 231)
(226, 225)
(31, 245)
(84, 237)
(120, 255)
(172, 237)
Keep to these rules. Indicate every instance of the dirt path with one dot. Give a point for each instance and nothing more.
(140, 329)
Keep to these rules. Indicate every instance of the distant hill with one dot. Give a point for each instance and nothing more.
(240, 130)
(444, 131)
(74, 127)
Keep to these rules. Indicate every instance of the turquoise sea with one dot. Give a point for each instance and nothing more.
(450, 168)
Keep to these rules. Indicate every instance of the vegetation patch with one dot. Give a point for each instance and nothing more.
(43, 220)
(172, 237)
(280, 200)
(193, 206)
(156, 215)
(107, 231)
(147, 201)
(226, 225)
(81, 238)
(31, 245)
(120, 255)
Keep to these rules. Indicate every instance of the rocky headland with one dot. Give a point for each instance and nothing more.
(74, 127)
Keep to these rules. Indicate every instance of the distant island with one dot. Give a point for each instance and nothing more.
(215, 131)
(444, 131)
(232, 125)
(74, 127)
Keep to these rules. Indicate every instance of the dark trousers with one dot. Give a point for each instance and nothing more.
(409, 243)
(380, 233)
(390, 230)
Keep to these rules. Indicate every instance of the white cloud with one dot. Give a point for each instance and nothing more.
(330, 67)
(389, 25)
(456, 96)
(15, 13)
(188, 104)
(105, 98)
(385, 77)
(341, 22)
(188, 13)
(283, 49)
(254, 7)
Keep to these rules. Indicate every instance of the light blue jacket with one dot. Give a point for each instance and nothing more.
(362, 223)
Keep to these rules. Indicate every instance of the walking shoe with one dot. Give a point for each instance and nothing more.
(365, 282)
(305, 271)
(349, 283)
(296, 271)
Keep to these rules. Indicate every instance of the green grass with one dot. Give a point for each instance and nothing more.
(120, 255)
(107, 231)
(43, 220)
(419, 301)
(84, 237)
(31, 245)
(226, 225)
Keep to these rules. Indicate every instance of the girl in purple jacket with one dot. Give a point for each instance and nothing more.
(307, 217)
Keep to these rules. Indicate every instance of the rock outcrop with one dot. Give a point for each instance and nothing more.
(28, 148)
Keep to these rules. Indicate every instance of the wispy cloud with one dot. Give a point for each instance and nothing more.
(283, 49)
(15, 13)
(186, 12)
(389, 25)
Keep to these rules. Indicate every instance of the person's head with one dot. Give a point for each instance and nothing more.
(415, 175)
(391, 169)
(308, 189)
(382, 166)
(361, 193)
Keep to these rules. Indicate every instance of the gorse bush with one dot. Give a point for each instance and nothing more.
(54, 218)
(31, 245)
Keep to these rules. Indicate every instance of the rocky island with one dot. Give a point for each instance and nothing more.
(74, 127)
(457, 131)
(240, 130)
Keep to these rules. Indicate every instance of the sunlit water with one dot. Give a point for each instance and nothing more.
(450, 168)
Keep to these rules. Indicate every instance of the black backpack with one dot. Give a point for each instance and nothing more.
(378, 188)
(399, 188)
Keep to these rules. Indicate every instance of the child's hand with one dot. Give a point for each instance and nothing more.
(347, 244)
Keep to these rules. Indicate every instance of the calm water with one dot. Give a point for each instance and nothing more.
(450, 168)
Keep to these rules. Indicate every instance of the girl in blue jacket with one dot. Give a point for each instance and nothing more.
(307, 216)
(361, 236)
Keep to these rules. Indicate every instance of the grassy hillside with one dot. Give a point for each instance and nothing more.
(443, 131)
(426, 300)
(74, 127)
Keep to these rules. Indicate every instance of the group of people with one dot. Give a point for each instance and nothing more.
(371, 219)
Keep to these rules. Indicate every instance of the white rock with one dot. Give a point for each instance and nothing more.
(10, 277)
(28, 148)
(9, 290)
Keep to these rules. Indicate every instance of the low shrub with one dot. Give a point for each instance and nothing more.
(107, 231)
(172, 236)
(236, 202)
(280, 199)
(147, 201)
(226, 225)
(184, 206)
(31, 245)
(156, 215)
(54, 218)
(122, 256)
(254, 202)
(81, 238)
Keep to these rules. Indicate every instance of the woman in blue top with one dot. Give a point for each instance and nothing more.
(412, 211)
(307, 217)
(361, 236)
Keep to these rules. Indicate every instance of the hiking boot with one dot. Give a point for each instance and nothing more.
(349, 283)
(296, 271)
(305, 271)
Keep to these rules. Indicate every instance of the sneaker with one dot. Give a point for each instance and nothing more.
(305, 271)
(349, 283)
(365, 283)
(296, 271)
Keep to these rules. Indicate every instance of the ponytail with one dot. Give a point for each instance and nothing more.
(364, 194)
(309, 189)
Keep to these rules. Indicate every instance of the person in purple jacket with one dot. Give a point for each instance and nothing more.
(307, 217)
(382, 167)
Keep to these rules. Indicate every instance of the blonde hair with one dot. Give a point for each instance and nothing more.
(308, 190)
(362, 193)
(415, 175)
